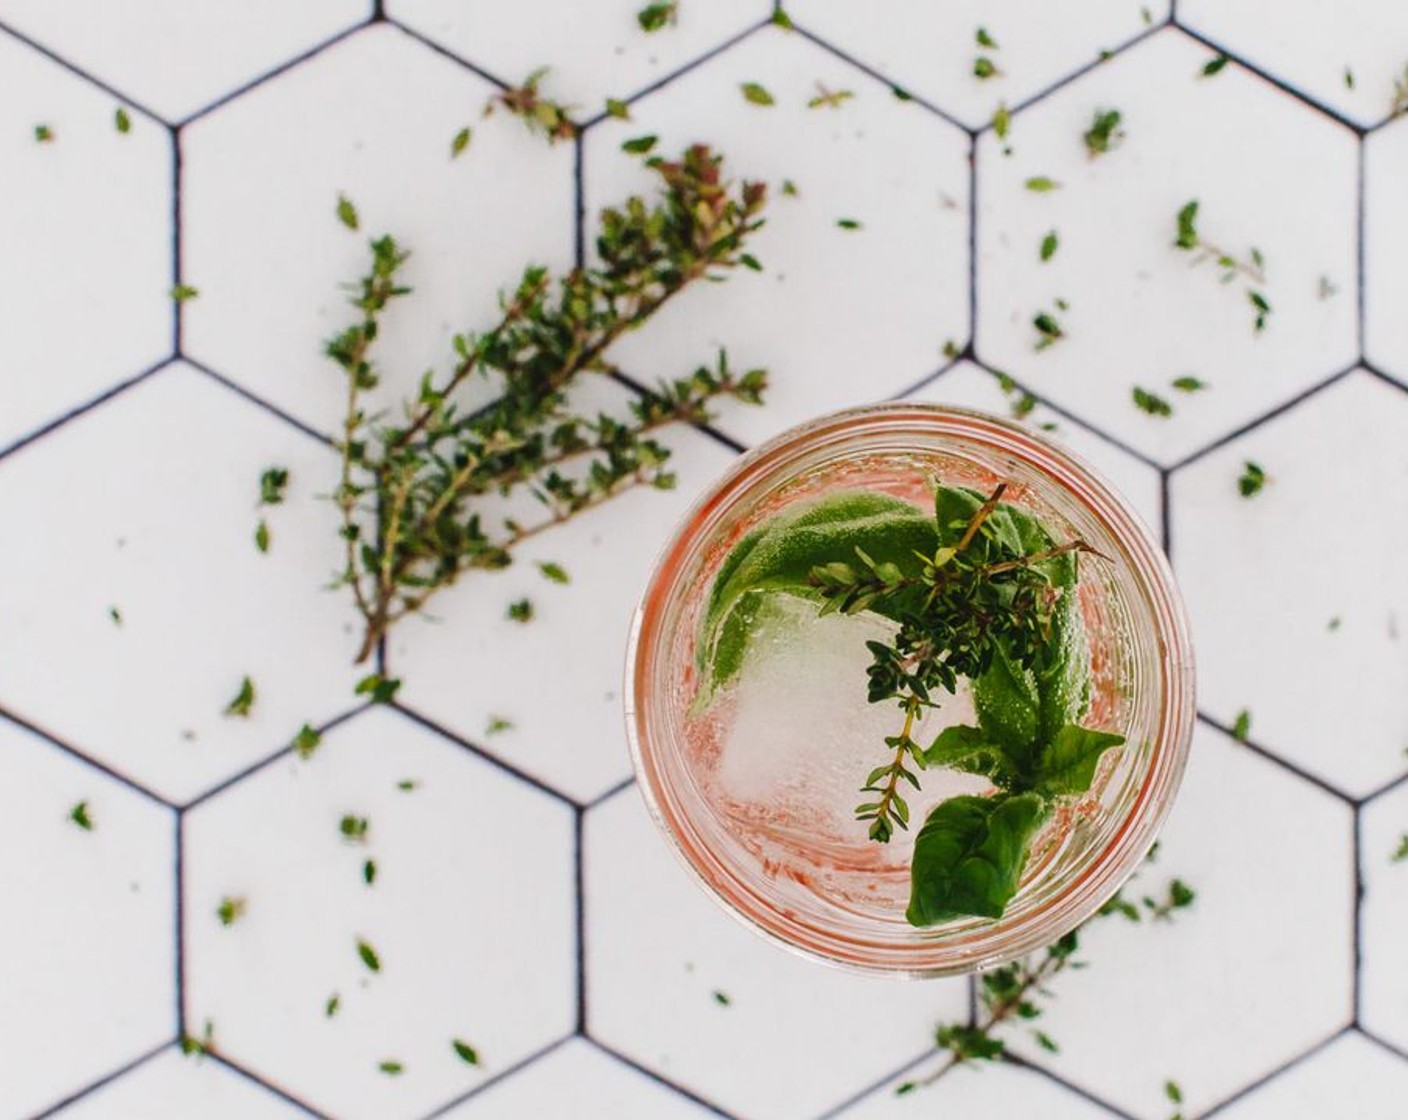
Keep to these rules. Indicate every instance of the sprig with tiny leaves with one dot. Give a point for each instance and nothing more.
(542, 115)
(1017, 992)
(1252, 270)
(411, 491)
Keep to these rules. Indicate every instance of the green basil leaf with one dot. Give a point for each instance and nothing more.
(1006, 702)
(1063, 682)
(1067, 764)
(971, 750)
(968, 857)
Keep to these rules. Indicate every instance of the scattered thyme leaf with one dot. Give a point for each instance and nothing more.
(951, 349)
(466, 1053)
(1002, 121)
(639, 145)
(1242, 726)
(1173, 1092)
(80, 816)
(354, 828)
(1104, 133)
(306, 742)
(498, 724)
(347, 212)
(460, 144)
(1048, 330)
(230, 910)
(756, 94)
(273, 484)
(722, 998)
(654, 17)
(369, 872)
(1333, 624)
(121, 121)
(261, 536)
(1151, 403)
(392, 1068)
(1187, 222)
(332, 1006)
(1214, 65)
(618, 109)
(540, 115)
(521, 610)
(901, 94)
(985, 68)
(1041, 184)
(553, 572)
(1263, 309)
(368, 956)
(191, 1046)
(788, 188)
(1252, 479)
(115, 615)
(984, 39)
(1401, 853)
(1188, 385)
(181, 293)
(1049, 244)
(406, 785)
(848, 223)
(43, 134)
(827, 98)
(382, 690)
(1348, 78)
(1023, 406)
(243, 703)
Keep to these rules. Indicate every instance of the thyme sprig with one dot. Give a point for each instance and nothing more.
(413, 490)
(541, 114)
(1251, 270)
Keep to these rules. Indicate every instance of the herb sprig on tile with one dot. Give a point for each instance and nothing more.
(1251, 269)
(427, 491)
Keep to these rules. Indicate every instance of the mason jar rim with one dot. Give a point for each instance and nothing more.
(1122, 852)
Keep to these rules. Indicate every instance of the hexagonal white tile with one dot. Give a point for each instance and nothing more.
(180, 57)
(1386, 249)
(174, 1087)
(87, 972)
(931, 50)
(675, 983)
(595, 51)
(576, 1080)
(470, 944)
(86, 225)
(1194, 1026)
(256, 231)
(840, 316)
(1349, 1077)
(1139, 314)
(1347, 56)
(148, 507)
(970, 386)
(979, 1092)
(570, 732)
(1261, 619)
(1383, 987)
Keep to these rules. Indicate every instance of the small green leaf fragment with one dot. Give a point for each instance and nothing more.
(618, 109)
(346, 212)
(407, 785)
(984, 68)
(781, 19)
(392, 1068)
(521, 610)
(183, 292)
(1401, 853)
(498, 724)
(789, 188)
(332, 1006)
(382, 690)
(460, 144)
(1189, 385)
(1046, 1042)
(273, 484)
(554, 572)
(1173, 1092)
(466, 1053)
(121, 121)
(115, 615)
(755, 94)
(1049, 244)
(80, 816)
(654, 17)
(722, 998)
(848, 223)
(639, 145)
(1252, 479)
(1002, 121)
(354, 828)
(1104, 133)
(243, 703)
(1151, 403)
(1041, 184)
(369, 872)
(1348, 78)
(230, 910)
(43, 134)
(306, 742)
(1187, 223)
(261, 536)
(368, 956)
(1214, 65)
(1242, 726)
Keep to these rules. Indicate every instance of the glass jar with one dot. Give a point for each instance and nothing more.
(840, 898)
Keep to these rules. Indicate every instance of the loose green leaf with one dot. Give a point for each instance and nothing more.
(382, 690)
(832, 99)
(1215, 65)
(43, 134)
(498, 724)
(1048, 329)
(617, 109)
(121, 121)
(115, 615)
(1002, 121)
(1041, 184)
(984, 68)
(1151, 403)
(969, 856)
(1262, 308)
(354, 828)
(521, 610)
(306, 742)
(721, 998)
(1401, 853)
(556, 573)
(406, 785)
(80, 816)
(1173, 1092)
(1103, 135)
(273, 484)
(781, 19)
(261, 536)
(1252, 479)
(183, 292)
(973, 751)
(460, 144)
(1187, 223)
(392, 1068)
(983, 39)
(1049, 245)
(346, 212)
(368, 956)
(1067, 764)
(465, 1052)
(848, 223)
(756, 94)
(369, 872)
(332, 1006)
(639, 145)
(1189, 385)
(1242, 726)
(653, 17)
(243, 703)
(230, 910)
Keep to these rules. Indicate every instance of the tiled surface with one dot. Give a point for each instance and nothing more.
(521, 901)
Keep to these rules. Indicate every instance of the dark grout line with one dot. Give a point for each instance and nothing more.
(1094, 64)
(1070, 1086)
(1284, 1067)
(178, 307)
(182, 1022)
(601, 798)
(269, 75)
(278, 1091)
(446, 53)
(1271, 80)
(1262, 418)
(1285, 764)
(929, 378)
(1166, 514)
(674, 75)
(876, 1085)
(973, 243)
(580, 918)
(1360, 225)
(254, 399)
(102, 1082)
(479, 752)
(268, 760)
(84, 408)
(1382, 1043)
(1387, 787)
(660, 1079)
(579, 201)
(1357, 933)
(523, 1063)
(83, 756)
(128, 101)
